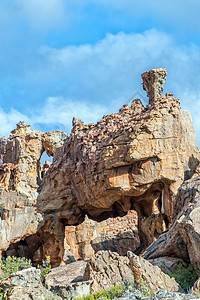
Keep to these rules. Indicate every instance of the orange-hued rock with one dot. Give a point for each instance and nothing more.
(116, 234)
(134, 159)
(20, 177)
(183, 238)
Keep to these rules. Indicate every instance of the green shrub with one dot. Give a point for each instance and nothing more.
(144, 288)
(185, 275)
(13, 264)
(111, 293)
(45, 268)
(118, 291)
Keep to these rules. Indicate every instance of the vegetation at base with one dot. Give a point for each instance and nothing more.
(45, 268)
(185, 275)
(14, 264)
(118, 291)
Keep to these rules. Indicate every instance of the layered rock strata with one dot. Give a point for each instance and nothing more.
(107, 268)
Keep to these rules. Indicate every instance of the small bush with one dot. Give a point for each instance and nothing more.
(185, 275)
(117, 291)
(111, 293)
(14, 264)
(45, 268)
(144, 288)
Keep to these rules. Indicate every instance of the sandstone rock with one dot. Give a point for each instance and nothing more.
(153, 82)
(67, 281)
(144, 271)
(25, 285)
(161, 295)
(115, 234)
(107, 269)
(183, 238)
(196, 286)
(20, 177)
(134, 159)
(68, 257)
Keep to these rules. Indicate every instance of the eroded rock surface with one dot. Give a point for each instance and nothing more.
(183, 238)
(67, 281)
(118, 234)
(20, 177)
(25, 285)
(144, 271)
(108, 268)
(134, 159)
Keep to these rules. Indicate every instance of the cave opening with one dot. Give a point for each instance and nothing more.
(121, 228)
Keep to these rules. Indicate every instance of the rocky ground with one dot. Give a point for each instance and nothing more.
(120, 199)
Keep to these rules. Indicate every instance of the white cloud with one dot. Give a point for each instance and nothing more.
(9, 120)
(59, 112)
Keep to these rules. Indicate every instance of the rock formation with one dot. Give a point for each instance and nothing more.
(134, 159)
(183, 238)
(68, 281)
(20, 177)
(118, 234)
(25, 285)
(107, 268)
(153, 82)
(131, 180)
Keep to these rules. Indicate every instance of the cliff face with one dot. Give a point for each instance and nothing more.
(20, 176)
(136, 158)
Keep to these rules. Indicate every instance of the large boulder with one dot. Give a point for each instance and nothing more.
(144, 271)
(68, 281)
(108, 268)
(25, 285)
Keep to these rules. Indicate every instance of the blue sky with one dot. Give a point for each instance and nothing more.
(84, 58)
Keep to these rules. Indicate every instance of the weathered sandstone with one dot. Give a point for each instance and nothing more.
(108, 268)
(183, 238)
(67, 281)
(144, 271)
(118, 234)
(25, 285)
(134, 159)
(20, 177)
